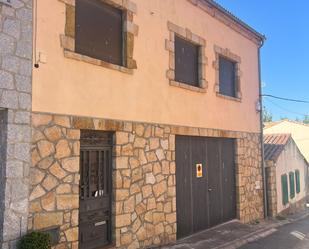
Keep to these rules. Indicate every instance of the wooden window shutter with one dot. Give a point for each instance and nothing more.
(227, 77)
(292, 185)
(99, 31)
(297, 177)
(186, 62)
(284, 186)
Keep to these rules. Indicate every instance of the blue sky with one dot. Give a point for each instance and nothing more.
(285, 55)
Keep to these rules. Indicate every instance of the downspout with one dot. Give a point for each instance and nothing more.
(261, 134)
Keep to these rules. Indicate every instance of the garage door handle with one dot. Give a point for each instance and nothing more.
(210, 189)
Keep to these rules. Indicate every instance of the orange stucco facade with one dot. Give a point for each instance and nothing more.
(65, 86)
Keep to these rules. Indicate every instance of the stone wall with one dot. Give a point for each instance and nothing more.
(54, 178)
(271, 185)
(15, 99)
(145, 186)
(249, 180)
(144, 201)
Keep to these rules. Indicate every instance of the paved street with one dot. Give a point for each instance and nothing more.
(294, 235)
(222, 236)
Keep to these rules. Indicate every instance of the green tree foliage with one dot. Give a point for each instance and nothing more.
(306, 119)
(284, 118)
(267, 115)
(35, 240)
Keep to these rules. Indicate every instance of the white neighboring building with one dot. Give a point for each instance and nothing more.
(286, 174)
(299, 132)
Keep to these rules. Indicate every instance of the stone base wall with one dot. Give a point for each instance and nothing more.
(271, 184)
(249, 178)
(144, 202)
(54, 177)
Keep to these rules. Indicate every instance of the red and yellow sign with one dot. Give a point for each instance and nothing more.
(199, 170)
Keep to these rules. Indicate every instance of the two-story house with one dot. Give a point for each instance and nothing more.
(144, 117)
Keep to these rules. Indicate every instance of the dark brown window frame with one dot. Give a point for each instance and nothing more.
(182, 74)
(130, 31)
(227, 54)
(187, 35)
(234, 63)
(99, 31)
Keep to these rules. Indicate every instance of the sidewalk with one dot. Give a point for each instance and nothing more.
(233, 234)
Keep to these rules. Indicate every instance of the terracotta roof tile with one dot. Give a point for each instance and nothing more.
(274, 144)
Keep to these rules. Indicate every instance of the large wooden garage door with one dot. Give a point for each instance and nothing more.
(205, 183)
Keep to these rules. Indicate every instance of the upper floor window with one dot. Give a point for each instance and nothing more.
(99, 31)
(186, 62)
(227, 77)
(228, 74)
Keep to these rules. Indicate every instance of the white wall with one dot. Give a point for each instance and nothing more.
(300, 134)
(290, 160)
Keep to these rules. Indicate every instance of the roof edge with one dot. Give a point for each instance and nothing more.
(285, 120)
(290, 140)
(260, 38)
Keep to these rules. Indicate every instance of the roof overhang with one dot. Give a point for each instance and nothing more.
(223, 15)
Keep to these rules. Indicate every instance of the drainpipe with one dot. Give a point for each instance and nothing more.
(262, 135)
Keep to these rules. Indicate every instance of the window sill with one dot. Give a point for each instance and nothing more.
(228, 97)
(187, 87)
(68, 44)
(84, 58)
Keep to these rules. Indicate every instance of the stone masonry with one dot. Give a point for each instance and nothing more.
(144, 199)
(15, 105)
(249, 180)
(144, 180)
(54, 178)
(271, 184)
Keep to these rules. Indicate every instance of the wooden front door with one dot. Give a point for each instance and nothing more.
(95, 228)
(208, 197)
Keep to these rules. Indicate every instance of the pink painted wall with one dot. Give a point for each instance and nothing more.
(67, 86)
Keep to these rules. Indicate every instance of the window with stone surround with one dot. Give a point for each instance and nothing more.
(187, 60)
(99, 31)
(227, 77)
(228, 74)
(82, 40)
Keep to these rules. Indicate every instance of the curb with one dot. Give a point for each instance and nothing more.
(259, 234)
(251, 237)
(299, 218)
(254, 236)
